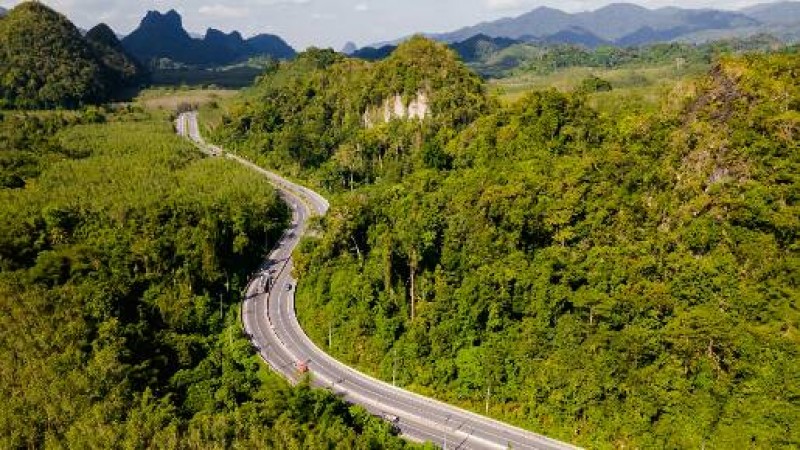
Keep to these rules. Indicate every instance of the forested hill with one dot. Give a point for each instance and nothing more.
(320, 108)
(628, 280)
(121, 68)
(46, 63)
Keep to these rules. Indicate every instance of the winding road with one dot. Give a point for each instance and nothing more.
(269, 319)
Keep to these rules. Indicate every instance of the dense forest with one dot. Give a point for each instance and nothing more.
(122, 255)
(45, 62)
(614, 280)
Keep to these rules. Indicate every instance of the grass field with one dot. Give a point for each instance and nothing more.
(645, 85)
(169, 99)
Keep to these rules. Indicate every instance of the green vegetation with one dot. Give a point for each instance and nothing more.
(640, 75)
(594, 84)
(543, 59)
(619, 279)
(228, 78)
(46, 63)
(120, 69)
(29, 144)
(122, 254)
(310, 111)
(168, 74)
(171, 99)
(632, 87)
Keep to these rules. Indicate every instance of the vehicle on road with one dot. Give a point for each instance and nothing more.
(302, 367)
(393, 420)
(390, 418)
(288, 287)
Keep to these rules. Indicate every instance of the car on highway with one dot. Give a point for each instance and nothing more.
(393, 420)
(288, 287)
(390, 418)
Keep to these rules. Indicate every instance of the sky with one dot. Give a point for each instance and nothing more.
(331, 23)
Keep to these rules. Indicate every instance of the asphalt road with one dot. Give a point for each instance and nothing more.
(268, 315)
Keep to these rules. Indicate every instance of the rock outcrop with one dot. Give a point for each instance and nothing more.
(395, 109)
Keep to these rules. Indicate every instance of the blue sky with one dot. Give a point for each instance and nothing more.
(329, 22)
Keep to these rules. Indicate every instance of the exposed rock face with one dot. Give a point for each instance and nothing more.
(395, 109)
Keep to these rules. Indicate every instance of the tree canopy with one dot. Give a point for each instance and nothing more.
(122, 257)
(45, 62)
(614, 280)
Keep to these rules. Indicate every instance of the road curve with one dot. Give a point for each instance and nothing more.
(270, 321)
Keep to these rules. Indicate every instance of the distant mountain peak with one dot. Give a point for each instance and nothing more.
(170, 19)
(103, 34)
(215, 33)
(349, 48)
(546, 9)
(778, 13)
(161, 35)
(479, 37)
(621, 23)
(623, 6)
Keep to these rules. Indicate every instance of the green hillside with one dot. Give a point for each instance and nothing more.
(624, 279)
(120, 69)
(309, 113)
(46, 63)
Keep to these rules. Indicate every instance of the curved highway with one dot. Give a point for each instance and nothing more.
(269, 319)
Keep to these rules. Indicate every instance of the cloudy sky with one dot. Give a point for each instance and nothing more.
(330, 22)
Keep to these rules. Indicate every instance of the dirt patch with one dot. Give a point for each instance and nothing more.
(723, 92)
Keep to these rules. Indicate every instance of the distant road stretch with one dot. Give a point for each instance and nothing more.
(270, 321)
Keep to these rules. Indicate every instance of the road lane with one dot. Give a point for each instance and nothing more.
(270, 321)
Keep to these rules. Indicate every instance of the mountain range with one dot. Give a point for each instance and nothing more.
(625, 24)
(163, 36)
(477, 48)
(781, 13)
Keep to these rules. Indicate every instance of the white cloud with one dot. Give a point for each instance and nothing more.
(362, 7)
(223, 11)
(503, 4)
(282, 2)
(323, 16)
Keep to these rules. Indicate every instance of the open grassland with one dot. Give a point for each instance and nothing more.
(645, 86)
(170, 99)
